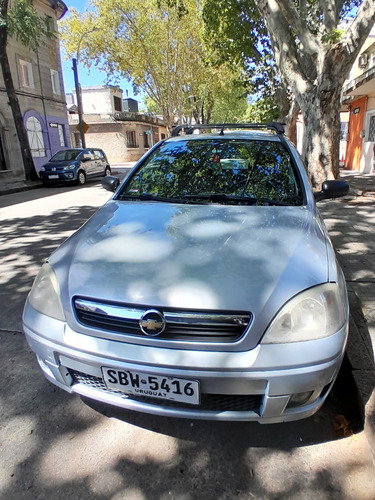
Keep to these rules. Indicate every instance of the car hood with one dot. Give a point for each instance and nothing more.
(205, 257)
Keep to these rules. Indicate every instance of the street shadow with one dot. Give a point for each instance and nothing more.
(25, 244)
(54, 446)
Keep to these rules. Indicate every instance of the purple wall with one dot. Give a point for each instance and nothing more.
(50, 134)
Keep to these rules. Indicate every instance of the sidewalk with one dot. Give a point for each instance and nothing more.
(350, 222)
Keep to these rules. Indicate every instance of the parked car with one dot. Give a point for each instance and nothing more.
(75, 165)
(207, 287)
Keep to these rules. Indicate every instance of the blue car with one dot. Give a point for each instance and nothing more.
(75, 165)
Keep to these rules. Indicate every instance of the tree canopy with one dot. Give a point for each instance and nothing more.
(156, 44)
(191, 58)
(311, 45)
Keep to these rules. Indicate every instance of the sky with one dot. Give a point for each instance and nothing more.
(92, 76)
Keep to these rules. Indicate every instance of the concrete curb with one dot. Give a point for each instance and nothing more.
(360, 356)
(18, 187)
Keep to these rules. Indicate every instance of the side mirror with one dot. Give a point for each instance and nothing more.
(332, 189)
(110, 183)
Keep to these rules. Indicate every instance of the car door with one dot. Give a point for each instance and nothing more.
(88, 163)
(100, 162)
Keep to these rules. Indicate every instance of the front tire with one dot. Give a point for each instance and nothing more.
(107, 171)
(81, 178)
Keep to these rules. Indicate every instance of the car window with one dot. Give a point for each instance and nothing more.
(66, 155)
(260, 169)
(98, 154)
(88, 154)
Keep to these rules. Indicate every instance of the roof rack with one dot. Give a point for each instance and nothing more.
(189, 129)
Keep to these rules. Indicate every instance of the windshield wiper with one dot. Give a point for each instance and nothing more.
(215, 197)
(149, 197)
(225, 198)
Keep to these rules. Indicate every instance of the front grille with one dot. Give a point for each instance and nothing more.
(213, 402)
(202, 326)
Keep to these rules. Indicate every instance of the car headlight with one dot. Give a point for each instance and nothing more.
(69, 167)
(313, 314)
(45, 294)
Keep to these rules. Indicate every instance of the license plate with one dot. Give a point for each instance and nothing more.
(153, 386)
(53, 177)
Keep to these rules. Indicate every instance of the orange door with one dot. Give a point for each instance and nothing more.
(356, 124)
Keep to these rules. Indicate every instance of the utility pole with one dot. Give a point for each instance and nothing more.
(79, 103)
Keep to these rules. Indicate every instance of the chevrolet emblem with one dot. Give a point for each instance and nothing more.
(152, 323)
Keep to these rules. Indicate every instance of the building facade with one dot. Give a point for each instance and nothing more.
(114, 124)
(359, 99)
(37, 78)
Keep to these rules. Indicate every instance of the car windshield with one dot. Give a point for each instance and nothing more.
(217, 170)
(66, 155)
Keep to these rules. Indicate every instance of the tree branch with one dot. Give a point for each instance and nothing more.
(283, 44)
(339, 6)
(294, 18)
(359, 29)
(329, 14)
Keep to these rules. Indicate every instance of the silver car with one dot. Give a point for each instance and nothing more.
(207, 287)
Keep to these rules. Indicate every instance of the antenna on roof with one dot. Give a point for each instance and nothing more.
(222, 128)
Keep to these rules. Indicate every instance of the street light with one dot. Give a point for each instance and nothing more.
(78, 89)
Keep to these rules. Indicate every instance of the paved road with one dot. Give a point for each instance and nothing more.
(53, 445)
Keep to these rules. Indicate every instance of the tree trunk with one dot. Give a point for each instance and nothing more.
(315, 68)
(321, 137)
(30, 172)
(291, 122)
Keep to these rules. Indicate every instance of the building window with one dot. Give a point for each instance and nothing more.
(162, 136)
(131, 139)
(26, 74)
(77, 140)
(56, 88)
(117, 102)
(146, 141)
(61, 131)
(371, 130)
(35, 136)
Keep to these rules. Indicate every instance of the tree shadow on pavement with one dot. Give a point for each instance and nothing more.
(25, 243)
(52, 445)
(350, 221)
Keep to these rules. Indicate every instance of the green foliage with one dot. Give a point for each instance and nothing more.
(26, 25)
(235, 31)
(152, 106)
(230, 105)
(332, 37)
(261, 111)
(157, 45)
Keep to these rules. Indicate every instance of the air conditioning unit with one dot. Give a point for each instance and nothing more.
(362, 61)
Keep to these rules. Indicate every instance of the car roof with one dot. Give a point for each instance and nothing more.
(253, 135)
(80, 149)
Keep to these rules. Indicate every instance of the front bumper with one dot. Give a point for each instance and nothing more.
(55, 177)
(258, 385)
